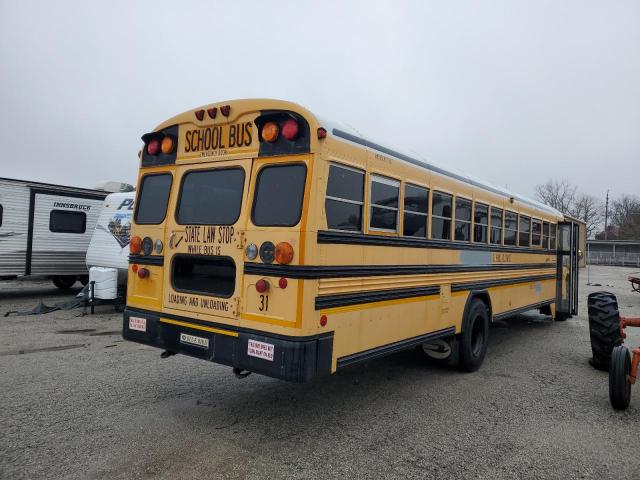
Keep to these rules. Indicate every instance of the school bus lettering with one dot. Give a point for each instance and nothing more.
(323, 248)
(218, 137)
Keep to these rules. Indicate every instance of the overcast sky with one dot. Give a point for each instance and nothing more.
(514, 92)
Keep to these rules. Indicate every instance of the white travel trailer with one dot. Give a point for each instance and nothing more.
(45, 230)
(109, 245)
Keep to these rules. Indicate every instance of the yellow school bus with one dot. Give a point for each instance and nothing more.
(272, 241)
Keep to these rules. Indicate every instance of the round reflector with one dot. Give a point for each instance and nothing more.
(262, 285)
(282, 283)
(267, 252)
(323, 320)
(284, 253)
(153, 147)
(167, 145)
(147, 246)
(135, 245)
(290, 129)
(270, 132)
(143, 273)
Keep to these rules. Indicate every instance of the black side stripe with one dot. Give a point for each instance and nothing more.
(343, 299)
(393, 347)
(373, 296)
(479, 285)
(515, 311)
(342, 271)
(348, 238)
(155, 260)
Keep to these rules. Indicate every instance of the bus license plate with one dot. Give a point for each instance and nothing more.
(193, 340)
(138, 323)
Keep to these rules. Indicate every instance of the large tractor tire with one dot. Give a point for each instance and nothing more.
(604, 327)
(619, 386)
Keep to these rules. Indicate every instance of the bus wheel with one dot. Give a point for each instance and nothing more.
(64, 282)
(619, 386)
(474, 336)
(604, 327)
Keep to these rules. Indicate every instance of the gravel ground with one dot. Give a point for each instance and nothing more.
(79, 402)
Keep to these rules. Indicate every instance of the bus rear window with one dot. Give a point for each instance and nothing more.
(211, 197)
(151, 206)
(277, 201)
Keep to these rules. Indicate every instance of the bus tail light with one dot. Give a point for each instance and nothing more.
(290, 129)
(284, 253)
(153, 147)
(270, 131)
(135, 245)
(282, 283)
(323, 320)
(143, 273)
(262, 285)
(134, 268)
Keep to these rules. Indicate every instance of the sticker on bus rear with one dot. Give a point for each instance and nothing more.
(138, 323)
(260, 350)
(193, 340)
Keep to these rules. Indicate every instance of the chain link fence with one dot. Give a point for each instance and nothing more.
(618, 259)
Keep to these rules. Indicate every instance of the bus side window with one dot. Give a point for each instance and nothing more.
(345, 198)
(463, 219)
(524, 237)
(510, 228)
(416, 211)
(496, 226)
(536, 233)
(481, 222)
(545, 234)
(441, 216)
(385, 197)
(552, 237)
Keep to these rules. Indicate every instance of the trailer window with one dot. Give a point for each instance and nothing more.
(277, 201)
(211, 197)
(344, 199)
(151, 207)
(66, 221)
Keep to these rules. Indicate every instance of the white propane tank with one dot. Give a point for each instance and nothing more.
(106, 282)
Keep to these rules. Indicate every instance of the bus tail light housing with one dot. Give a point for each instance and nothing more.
(262, 286)
(282, 132)
(284, 253)
(135, 245)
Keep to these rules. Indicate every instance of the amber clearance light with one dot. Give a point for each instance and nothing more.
(284, 253)
(135, 245)
(270, 131)
(167, 145)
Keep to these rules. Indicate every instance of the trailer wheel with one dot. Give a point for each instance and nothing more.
(474, 337)
(619, 386)
(604, 327)
(64, 282)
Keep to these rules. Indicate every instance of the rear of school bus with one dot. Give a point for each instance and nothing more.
(222, 202)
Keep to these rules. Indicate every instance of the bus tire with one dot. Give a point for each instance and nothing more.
(474, 337)
(64, 282)
(619, 386)
(604, 327)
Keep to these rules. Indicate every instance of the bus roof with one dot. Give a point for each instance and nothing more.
(351, 135)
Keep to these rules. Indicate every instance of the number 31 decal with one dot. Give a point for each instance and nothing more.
(264, 303)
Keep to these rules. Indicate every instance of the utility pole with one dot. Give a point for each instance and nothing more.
(606, 214)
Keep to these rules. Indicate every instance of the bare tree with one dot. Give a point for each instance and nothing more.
(559, 194)
(588, 209)
(625, 217)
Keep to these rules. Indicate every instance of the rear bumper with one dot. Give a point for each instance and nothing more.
(296, 359)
